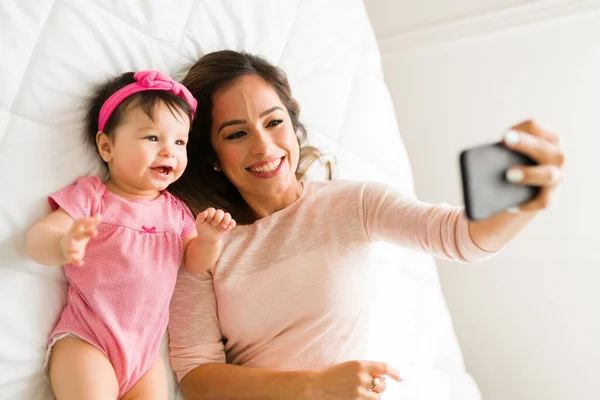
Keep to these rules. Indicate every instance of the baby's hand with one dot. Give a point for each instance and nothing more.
(75, 240)
(212, 225)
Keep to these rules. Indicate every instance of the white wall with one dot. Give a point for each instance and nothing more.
(460, 73)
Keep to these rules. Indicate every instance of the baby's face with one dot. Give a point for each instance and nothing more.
(147, 155)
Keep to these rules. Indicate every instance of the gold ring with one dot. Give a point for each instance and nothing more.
(374, 383)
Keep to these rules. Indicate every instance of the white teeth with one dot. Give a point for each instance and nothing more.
(270, 167)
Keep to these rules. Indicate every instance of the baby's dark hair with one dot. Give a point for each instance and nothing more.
(146, 100)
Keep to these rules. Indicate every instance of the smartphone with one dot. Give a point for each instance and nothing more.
(485, 189)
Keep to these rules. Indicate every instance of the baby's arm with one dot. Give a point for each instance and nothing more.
(57, 239)
(203, 248)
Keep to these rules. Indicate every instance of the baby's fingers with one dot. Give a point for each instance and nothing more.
(74, 255)
(200, 218)
(231, 225)
(83, 228)
(77, 261)
(225, 221)
(218, 217)
(206, 216)
(87, 222)
(96, 219)
(84, 233)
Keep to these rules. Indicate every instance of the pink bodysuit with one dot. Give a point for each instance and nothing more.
(118, 300)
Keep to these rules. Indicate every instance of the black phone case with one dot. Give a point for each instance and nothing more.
(485, 188)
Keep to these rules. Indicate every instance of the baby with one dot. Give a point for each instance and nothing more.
(122, 242)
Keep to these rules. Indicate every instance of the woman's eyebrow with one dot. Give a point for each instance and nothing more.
(232, 122)
(243, 121)
(270, 110)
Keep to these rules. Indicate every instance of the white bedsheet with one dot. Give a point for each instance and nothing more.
(53, 51)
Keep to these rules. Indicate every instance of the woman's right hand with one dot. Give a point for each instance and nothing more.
(353, 380)
(75, 240)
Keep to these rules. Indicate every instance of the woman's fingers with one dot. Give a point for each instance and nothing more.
(366, 387)
(382, 369)
(378, 384)
(543, 146)
(539, 175)
(539, 149)
(542, 201)
(537, 129)
(353, 380)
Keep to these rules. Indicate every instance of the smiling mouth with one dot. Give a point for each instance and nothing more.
(163, 170)
(268, 167)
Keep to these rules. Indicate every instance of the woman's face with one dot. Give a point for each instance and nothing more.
(254, 139)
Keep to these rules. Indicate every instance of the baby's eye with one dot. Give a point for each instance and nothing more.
(236, 135)
(180, 142)
(274, 122)
(152, 138)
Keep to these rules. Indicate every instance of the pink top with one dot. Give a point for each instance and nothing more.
(118, 300)
(289, 291)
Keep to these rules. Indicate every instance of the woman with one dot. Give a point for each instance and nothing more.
(283, 314)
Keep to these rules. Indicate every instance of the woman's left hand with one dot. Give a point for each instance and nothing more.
(543, 146)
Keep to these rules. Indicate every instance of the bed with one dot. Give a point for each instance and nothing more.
(52, 52)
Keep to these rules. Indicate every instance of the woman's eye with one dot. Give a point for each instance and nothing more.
(274, 122)
(152, 138)
(236, 135)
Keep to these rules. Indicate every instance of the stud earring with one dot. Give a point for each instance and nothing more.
(216, 168)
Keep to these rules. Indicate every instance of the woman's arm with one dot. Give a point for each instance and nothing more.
(198, 354)
(437, 229)
(225, 381)
(444, 231)
(349, 380)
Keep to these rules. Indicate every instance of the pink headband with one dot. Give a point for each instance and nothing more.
(145, 80)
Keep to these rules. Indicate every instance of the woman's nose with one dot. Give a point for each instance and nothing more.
(262, 143)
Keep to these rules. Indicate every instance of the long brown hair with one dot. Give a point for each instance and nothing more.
(201, 186)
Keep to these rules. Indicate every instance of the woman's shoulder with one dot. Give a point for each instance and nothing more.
(348, 189)
(338, 193)
(350, 193)
(336, 187)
